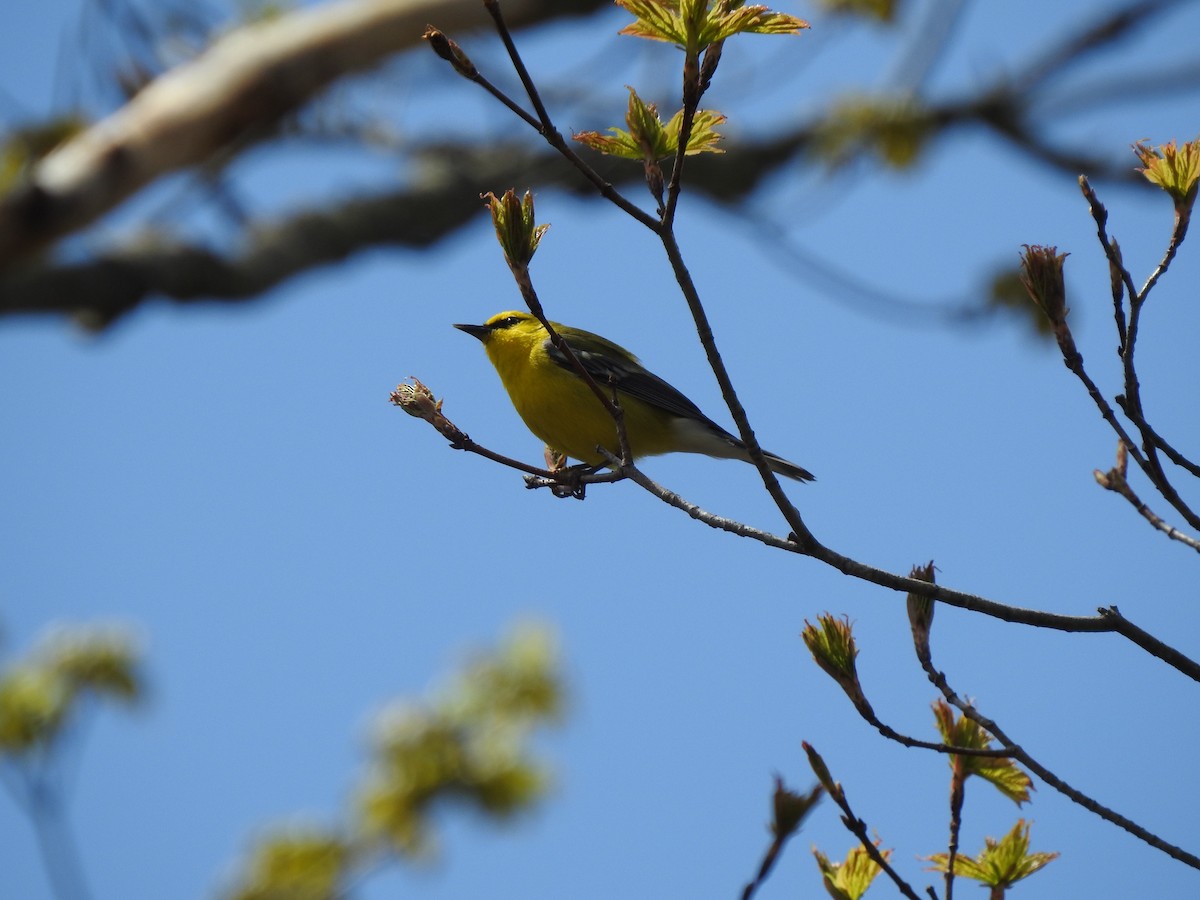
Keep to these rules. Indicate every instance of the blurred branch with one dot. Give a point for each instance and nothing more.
(236, 94)
(1105, 30)
(240, 87)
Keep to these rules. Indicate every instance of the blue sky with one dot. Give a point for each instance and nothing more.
(294, 552)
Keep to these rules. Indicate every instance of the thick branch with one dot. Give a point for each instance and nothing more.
(237, 90)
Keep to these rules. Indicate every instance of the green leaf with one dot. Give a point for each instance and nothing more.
(1174, 169)
(1001, 772)
(849, 879)
(704, 136)
(1001, 863)
(695, 24)
(648, 139)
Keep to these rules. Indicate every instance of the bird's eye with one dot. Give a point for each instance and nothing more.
(509, 322)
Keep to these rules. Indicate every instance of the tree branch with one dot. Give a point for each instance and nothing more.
(1077, 796)
(237, 90)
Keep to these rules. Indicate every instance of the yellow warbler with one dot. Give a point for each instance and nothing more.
(559, 407)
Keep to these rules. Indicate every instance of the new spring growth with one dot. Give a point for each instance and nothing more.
(1174, 169)
(999, 771)
(451, 52)
(417, 400)
(515, 228)
(648, 139)
(1114, 478)
(789, 809)
(817, 764)
(850, 879)
(1001, 864)
(1042, 278)
(693, 25)
(831, 642)
(920, 611)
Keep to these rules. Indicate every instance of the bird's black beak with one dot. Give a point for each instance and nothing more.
(478, 331)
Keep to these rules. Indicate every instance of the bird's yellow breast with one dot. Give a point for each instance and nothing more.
(561, 410)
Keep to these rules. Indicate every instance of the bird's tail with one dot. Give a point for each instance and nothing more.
(781, 466)
(700, 435)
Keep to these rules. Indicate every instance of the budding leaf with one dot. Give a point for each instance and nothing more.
(649, 139)
(1000, 864)
(1001, 772)
(1174, 169)
(696, 24)
(849, 880)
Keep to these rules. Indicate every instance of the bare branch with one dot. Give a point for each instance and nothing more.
(854, 824)
(1114, 480)
(1077, 796)
(239, 88)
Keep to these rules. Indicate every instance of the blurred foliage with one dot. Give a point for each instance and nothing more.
(39, 694)
(304, 864)
(1007, 294)
(893, 129)
(882, 10)
(466, 745)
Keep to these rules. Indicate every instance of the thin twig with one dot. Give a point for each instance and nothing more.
(493, 9)
(1114, 480)
(1077, 796)
(800, 532)
(1131, 400)
(801, 540)
(1109, 619)
(1178, 233)
(546, 128)
(1159, 441)
(1111, 250)
(891, 734)
(858, 828)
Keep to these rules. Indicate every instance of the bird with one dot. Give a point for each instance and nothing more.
(560, 408)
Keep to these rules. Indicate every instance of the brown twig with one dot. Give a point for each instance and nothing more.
(1131, 401)
(1073, 794)
(1114, 480)
(854, 824)
(544, 125)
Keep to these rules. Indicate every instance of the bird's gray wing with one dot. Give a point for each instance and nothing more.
(632, 379)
